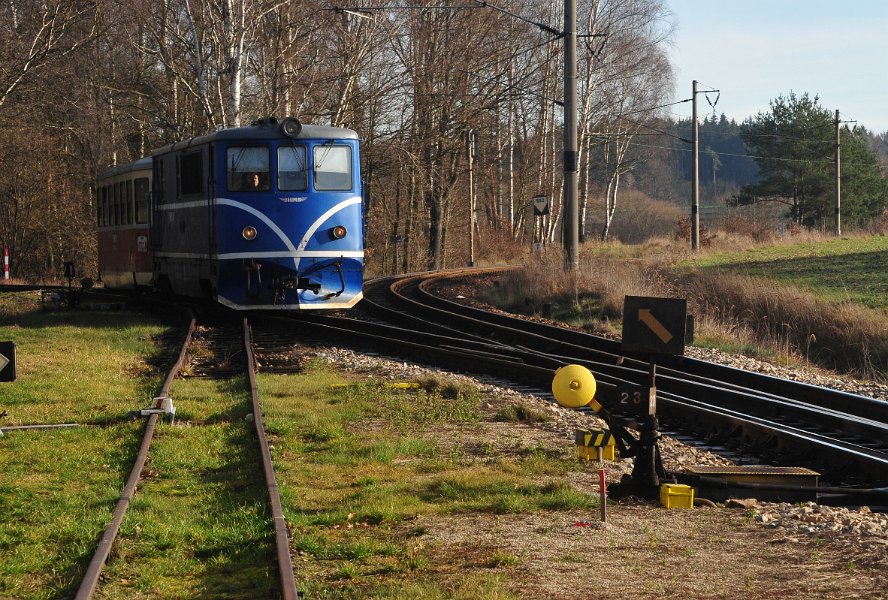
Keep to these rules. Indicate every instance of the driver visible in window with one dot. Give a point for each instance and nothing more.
(254, 182)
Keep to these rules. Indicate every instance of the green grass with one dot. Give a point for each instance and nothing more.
(357, 464)
(358, 469)
(849, 269)
(58, 487)
(521, 413)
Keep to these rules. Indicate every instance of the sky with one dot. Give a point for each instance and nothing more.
(756, 50)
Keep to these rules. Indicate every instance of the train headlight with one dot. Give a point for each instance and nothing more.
(338, 232)
(291, 127)
(249, 233)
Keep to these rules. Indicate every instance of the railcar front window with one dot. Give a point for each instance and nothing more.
(291, 169)
(248, 169)
(332, 167)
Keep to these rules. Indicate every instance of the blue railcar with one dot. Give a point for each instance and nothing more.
(263, 217)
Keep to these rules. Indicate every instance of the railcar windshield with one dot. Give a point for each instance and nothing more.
(248, 169)
(332, 167)
(292, 174)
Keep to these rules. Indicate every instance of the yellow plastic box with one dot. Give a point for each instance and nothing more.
(676, 495)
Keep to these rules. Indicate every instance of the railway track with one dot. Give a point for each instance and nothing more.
(218, 356)
(844, 436)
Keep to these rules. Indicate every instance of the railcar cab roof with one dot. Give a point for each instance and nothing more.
(143, 164)
(264, 129)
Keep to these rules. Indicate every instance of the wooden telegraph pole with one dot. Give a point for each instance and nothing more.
(470, 157)
(695, 174)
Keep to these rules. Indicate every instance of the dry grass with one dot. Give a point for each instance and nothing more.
(733, 312)
(789, 322)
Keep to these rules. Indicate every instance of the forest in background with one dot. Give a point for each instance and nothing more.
(84, 85)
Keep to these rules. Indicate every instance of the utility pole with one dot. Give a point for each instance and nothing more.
(695, 162)
(838, 176)
(470, 156)
(570, 223)
(695, 175)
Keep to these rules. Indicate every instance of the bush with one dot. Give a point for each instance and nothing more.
(682, 232)
(741, 225)
(881, 224)
(640, 218)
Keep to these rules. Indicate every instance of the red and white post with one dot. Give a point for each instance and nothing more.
(602, 485)
(5, 262)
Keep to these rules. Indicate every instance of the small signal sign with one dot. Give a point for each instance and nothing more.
(7, 361)
(654, 325)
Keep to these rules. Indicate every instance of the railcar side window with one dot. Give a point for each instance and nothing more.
(115, 204)
(191, 174)
(129, 202)
(161, 183)
(248, 169)
(332, 167)
(104, 206)
(291, 168)
(119, 207)
(141, 192)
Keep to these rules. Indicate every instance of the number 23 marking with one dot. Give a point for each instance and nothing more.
(636, 397)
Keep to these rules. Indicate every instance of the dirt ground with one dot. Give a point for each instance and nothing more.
(649, 552)
(644, 550)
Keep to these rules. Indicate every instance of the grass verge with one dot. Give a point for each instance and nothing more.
(360, 463)
(58, 487)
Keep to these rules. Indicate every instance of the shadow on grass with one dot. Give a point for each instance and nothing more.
(860, 277)
(244, 567)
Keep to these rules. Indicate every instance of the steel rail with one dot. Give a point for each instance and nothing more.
(868, 460)
(333, 328)
(732, 397)
(94, 570)
(607, 349)
(828, 409)
(281, 535)
(866, 416)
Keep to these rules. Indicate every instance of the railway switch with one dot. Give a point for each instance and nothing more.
(574, 387)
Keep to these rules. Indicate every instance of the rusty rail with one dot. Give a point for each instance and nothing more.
(281, 536)
(91, 579)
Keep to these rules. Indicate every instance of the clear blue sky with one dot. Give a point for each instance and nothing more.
(756, 50)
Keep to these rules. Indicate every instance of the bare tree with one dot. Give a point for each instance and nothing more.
(36, 35)
(624, 76)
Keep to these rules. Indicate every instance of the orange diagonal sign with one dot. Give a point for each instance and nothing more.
(645, 316)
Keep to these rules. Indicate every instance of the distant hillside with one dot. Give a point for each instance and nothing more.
(665, 168)
(723, 155)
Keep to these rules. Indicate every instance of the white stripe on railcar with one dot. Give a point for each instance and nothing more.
(236, 255)
(295, 254)
(312, 306)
